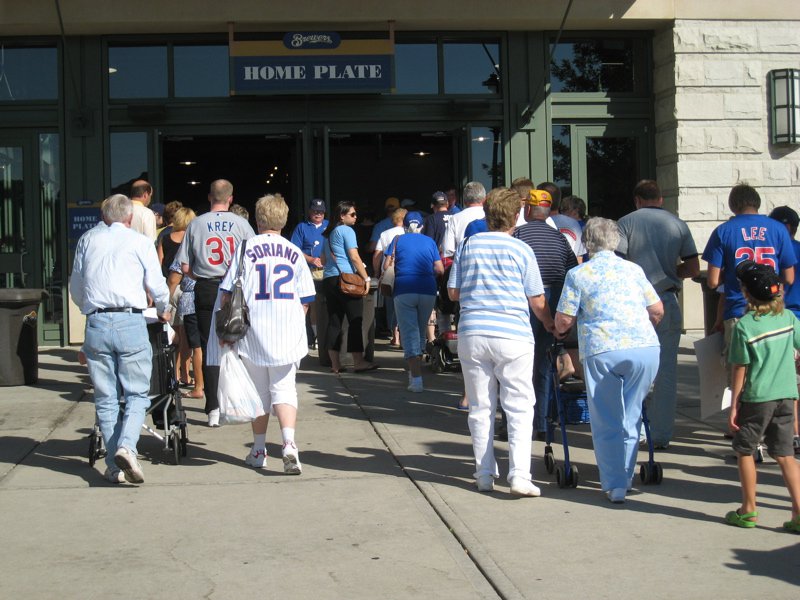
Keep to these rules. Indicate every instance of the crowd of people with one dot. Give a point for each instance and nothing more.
(523, 266)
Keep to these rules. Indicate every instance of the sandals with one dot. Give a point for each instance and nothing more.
(793, 525)
(744, 520)
(369, 367)
(195, 395)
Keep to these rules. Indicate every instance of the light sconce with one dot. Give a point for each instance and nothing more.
(784, 107)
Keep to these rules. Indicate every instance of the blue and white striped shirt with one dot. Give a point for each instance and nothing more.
(495, 275)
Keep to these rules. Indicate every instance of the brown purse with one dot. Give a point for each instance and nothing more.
(353, 285)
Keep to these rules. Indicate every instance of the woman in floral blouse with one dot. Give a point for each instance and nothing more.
(616, 309)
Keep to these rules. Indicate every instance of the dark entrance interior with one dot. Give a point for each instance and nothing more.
(255, 165)
(369, 167)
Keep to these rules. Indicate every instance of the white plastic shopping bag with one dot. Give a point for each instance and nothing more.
(239, 401)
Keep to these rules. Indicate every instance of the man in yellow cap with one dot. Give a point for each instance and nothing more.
(555, 257)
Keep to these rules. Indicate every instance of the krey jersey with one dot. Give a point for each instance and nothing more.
(210, 241)
(747, 237)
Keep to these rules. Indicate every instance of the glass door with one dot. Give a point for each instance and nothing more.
(601, 164)
(30, 223)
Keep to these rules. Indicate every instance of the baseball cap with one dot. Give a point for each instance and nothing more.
(785, 215)
(540, 198)
(407, 202)
(439, 198)
(157, 208)
(760, 281)
(391, 202)
(317, 204)
(415, 218)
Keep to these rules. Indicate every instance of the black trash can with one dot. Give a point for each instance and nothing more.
(19, 349)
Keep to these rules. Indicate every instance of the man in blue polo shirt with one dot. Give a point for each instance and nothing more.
(308, 237)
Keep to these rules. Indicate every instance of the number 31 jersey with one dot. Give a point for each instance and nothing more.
(747, 237)
(211, 241)
(277, 283)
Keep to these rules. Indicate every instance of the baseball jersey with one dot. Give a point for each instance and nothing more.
(747, 236)
(277, 283)
(210, 242)
(791, 293)
(655, 239)
(435, 225)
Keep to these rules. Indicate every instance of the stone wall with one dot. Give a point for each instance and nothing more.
(712, 122)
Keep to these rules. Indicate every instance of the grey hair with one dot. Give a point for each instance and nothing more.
(116, 209)
(600, 234)
(474, 193)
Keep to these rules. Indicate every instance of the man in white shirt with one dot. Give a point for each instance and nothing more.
(473, 198)
(114, 270)
(144, 219)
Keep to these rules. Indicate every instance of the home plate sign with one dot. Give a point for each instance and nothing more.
(311, 63)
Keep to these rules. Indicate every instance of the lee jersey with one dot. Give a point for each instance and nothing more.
(210, 242)
(747, 237)
(277, 282)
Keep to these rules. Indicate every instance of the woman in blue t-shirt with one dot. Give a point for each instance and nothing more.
(416, 264)
(340, 255)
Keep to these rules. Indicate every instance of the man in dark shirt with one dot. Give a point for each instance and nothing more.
(555, 258)
(436, 222)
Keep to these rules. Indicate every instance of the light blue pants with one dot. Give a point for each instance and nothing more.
(413, 313)
(616, 384)
(120, 361)
(661, 405)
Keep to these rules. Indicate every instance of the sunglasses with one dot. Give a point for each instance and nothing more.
(352, 214)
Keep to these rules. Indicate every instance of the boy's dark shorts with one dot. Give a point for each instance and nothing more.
(771, 421)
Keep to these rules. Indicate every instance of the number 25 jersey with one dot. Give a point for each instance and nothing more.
(747, 237)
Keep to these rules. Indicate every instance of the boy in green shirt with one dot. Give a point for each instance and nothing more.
(764, 389)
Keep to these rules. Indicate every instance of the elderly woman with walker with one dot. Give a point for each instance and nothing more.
(616, 309)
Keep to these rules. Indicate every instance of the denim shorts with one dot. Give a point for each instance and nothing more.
(771, 421)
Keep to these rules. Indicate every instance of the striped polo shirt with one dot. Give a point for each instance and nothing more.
(553, 253)
(495, 275)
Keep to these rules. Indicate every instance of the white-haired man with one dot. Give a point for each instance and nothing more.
(114, 269)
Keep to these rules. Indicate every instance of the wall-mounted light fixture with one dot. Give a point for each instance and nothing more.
(784, 107)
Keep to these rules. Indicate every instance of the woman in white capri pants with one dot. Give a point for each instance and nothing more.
(496, 279)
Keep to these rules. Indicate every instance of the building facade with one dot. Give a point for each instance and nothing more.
(361, 101)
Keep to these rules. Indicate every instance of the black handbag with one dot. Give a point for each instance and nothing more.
(233, 319)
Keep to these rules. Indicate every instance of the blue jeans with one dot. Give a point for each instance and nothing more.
(413, 312)
(616, 384)
(120, 362)
(661, 405)
(542, 368)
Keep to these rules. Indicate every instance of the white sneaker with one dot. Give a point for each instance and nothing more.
(257, 459)
(114, 475)
(416, 387)
(213, 418)
(524, 487)
(485, 483)
(127, 461)
(617, 495)
(291, 459)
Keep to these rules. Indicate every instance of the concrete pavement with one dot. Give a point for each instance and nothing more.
(385, 507)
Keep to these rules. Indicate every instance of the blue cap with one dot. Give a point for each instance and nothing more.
(317, 204)
(414, 217)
